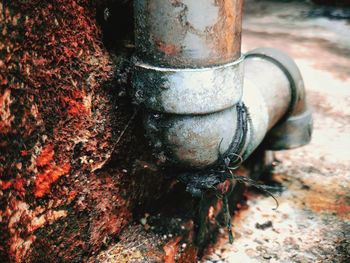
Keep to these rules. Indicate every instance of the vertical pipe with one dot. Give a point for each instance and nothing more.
(188, 58)
(188, 33)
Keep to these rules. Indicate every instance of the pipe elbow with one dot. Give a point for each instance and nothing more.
(200, 104)
(294, 129)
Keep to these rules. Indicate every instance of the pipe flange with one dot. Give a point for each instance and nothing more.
(188, 90)
(295, 132)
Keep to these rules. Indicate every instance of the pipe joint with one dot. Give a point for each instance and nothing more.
(188, 73)
(188, 90)
(294, 129)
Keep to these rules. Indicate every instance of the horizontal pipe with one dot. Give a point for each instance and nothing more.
(295, 128)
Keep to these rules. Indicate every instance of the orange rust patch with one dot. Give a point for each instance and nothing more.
(325, 203)
(170, 249)
(46, 156)
(75, 107)
(19, 184)
(51, 174)
(225, 35)
(5, 184)
(168, 49)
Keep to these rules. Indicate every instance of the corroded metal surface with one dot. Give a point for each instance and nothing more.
(188, 33)
(186, 64)
(189, 91)
(194, 141)
(296, 131)
(294, 128)
(274, 90)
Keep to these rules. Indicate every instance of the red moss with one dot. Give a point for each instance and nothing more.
(189, 255)
(110, 208)
(72, 195)
(51, 174)
(52, 62)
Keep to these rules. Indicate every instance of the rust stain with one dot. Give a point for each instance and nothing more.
(170, 249)
(168, 49)
(51, 174)
(225, 35)
(46, 156)
(321, 203)
(189, 255)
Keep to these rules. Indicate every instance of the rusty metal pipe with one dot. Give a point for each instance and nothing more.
(188, 58)
(294, 129)
(189, 75)
(275, 96)
(275, 99)
(188, 33)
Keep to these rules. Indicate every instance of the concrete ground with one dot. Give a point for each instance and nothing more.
(312, 223)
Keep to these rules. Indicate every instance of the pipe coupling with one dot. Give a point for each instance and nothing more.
(188, 90)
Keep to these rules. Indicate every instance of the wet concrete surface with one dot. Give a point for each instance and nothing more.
(312, 223)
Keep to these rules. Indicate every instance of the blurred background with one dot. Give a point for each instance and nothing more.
(312, 221)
